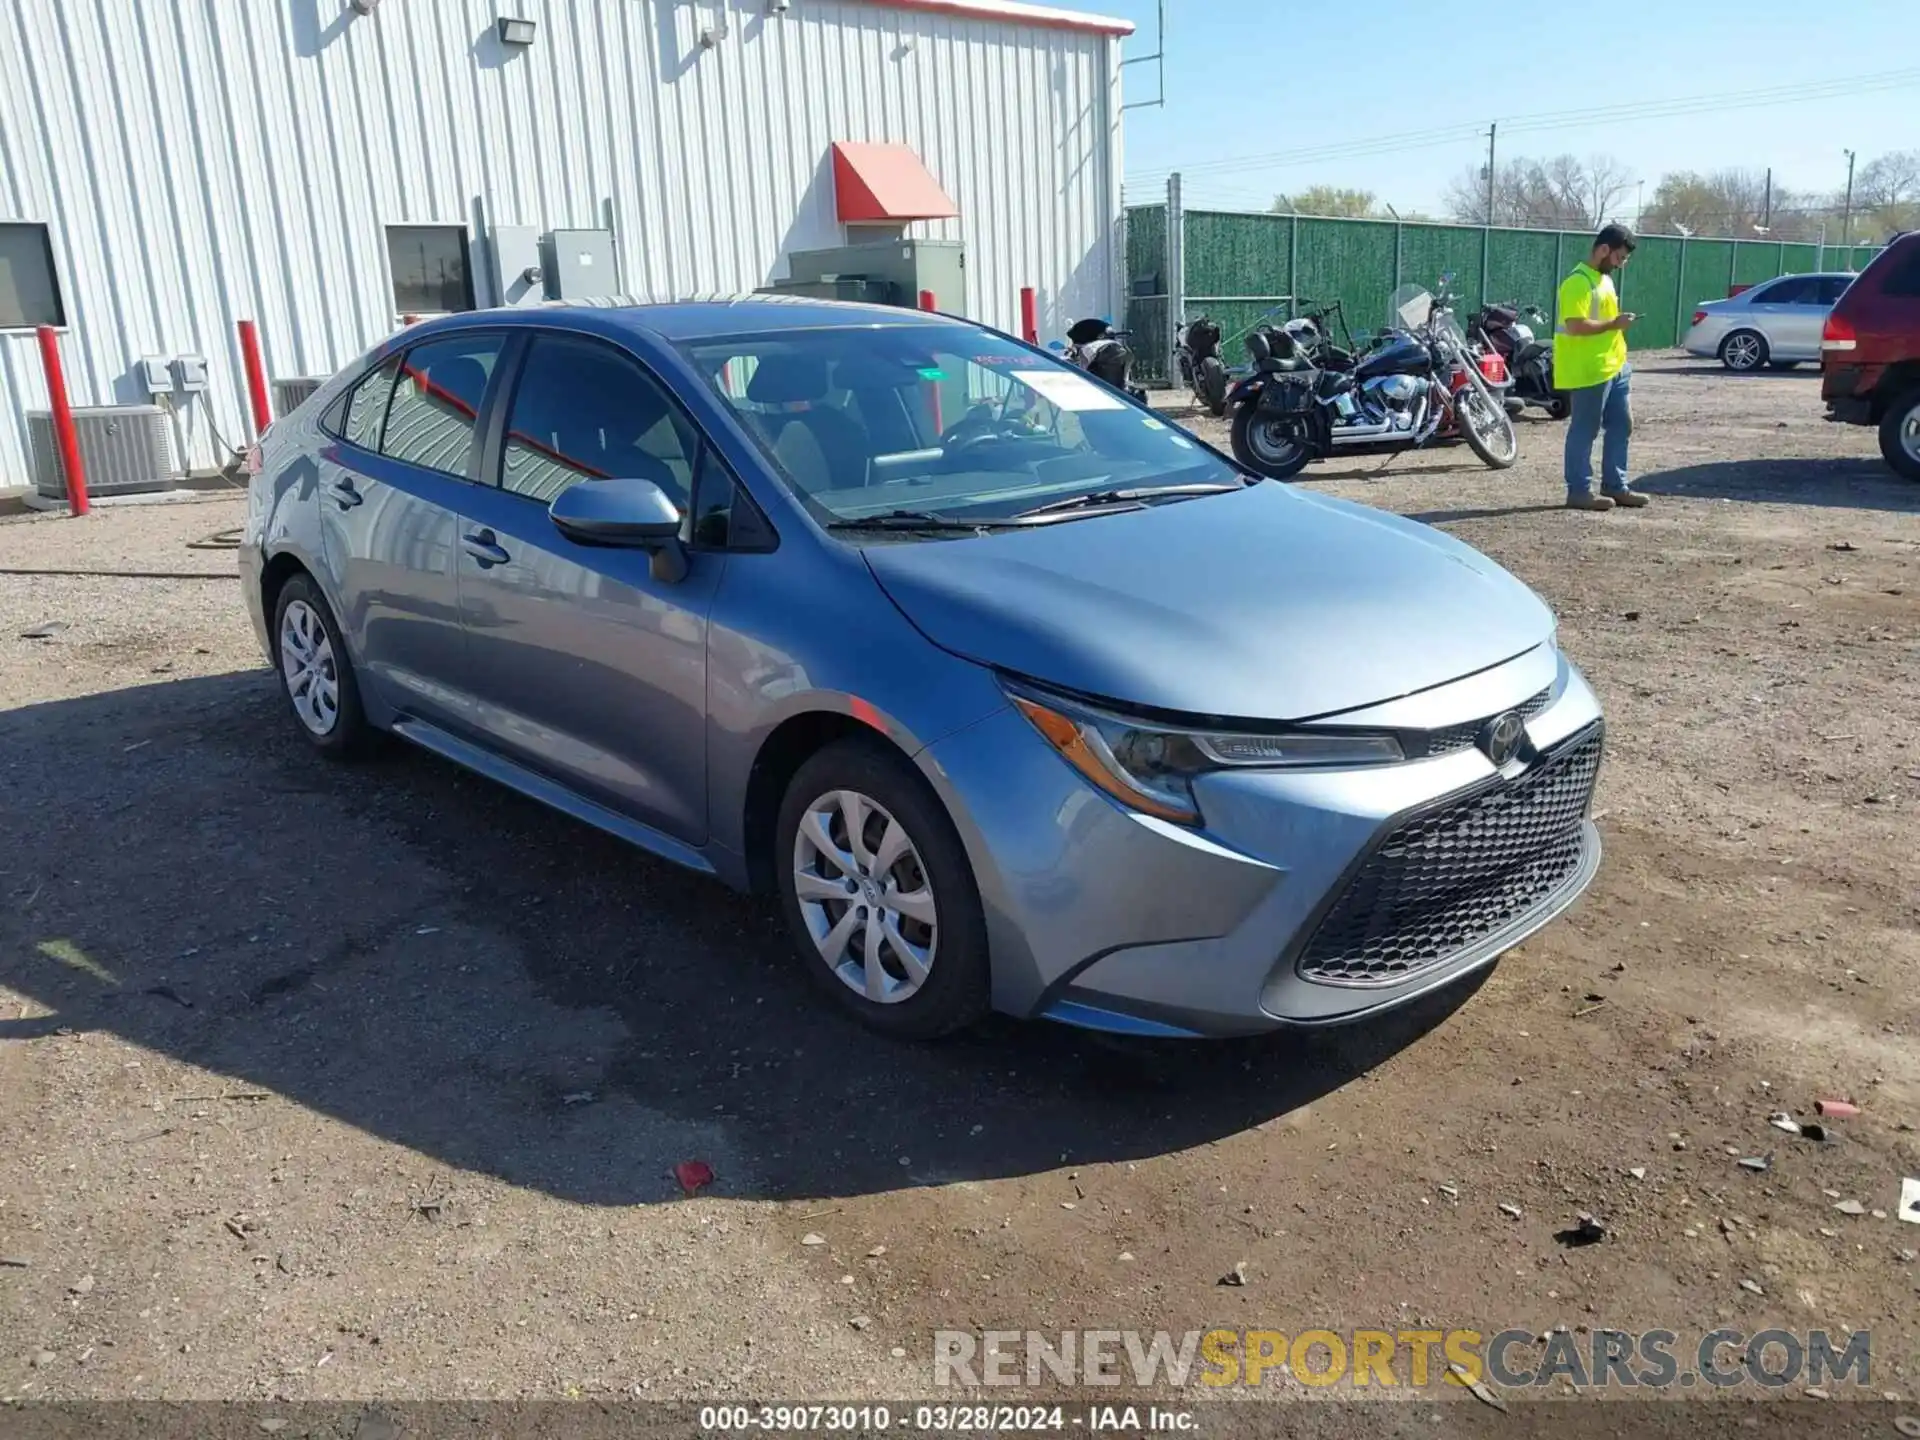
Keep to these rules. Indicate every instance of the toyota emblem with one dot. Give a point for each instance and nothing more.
(1502, 736)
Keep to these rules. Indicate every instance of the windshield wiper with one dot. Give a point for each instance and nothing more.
(1097, 498)
(921, 520)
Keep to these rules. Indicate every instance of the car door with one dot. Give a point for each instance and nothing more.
(587, 668)
(389, 495)
(1793, 314)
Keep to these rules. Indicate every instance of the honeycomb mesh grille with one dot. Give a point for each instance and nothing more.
(1465, 736)
(1449, 877)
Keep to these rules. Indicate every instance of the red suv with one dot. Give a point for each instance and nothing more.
(1870, 353)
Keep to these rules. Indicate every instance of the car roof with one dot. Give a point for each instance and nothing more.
(703, 318)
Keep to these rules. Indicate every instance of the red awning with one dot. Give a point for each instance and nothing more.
(885, 182)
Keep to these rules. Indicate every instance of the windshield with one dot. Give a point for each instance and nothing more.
(1408, 307)
(939, 419)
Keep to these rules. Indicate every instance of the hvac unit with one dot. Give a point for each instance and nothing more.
(123, 450)
(289, 395)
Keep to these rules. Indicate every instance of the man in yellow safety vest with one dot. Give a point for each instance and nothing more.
(1590, 365)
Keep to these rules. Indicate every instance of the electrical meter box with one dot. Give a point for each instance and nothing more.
(579, 265)
(518, 277)
(190, 372)
(154, 376)
(896, 269)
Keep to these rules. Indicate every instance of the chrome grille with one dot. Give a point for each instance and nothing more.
(1467, 735)
(1452, 875)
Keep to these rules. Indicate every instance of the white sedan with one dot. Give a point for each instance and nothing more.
(1775, 323)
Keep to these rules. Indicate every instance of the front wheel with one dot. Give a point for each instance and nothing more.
(1483, 422)
(1211, 386)
(1900, 435)
(1268, 446)
(879, 894)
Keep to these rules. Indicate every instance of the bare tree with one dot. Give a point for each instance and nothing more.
(1331, 200)
(1726, 202)
(1564, 192)
(1887, 191)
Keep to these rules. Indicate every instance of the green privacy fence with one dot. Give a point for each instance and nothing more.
(1238, 267)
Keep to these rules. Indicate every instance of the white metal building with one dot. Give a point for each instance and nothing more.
(327, 167)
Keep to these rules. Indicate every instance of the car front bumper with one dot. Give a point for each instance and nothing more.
(1309, 897)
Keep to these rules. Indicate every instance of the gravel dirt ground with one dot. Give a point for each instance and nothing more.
(346, 1082)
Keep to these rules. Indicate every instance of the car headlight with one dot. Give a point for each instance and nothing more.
(1150, 767)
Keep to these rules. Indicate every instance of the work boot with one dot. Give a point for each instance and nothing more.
(1589, 502)
(1626, 499)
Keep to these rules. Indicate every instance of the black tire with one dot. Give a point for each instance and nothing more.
(1746, 356)
(1559, 408)
(1211, 386)
(351, 735)
(957, 988)
(1257, 455)
(1899, 427)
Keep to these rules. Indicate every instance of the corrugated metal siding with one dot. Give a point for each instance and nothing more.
(204, 162)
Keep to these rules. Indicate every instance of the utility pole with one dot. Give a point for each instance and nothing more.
(1766, 215)
(1846, 224)
(1493, 129)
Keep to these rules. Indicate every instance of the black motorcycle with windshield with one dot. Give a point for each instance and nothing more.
(1418, 379)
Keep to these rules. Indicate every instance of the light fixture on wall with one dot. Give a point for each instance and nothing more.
(518, 33)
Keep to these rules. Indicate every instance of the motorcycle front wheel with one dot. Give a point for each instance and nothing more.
(1267, 446)
(1210, 385)
(1484, 424)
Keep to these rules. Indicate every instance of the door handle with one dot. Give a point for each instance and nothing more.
(482, 546)
(344, 495)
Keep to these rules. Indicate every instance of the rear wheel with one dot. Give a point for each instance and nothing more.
(879, 895)
(1744, 350)
(1267, 445)
(1210, 384)
(1559, 408)
(316, 675)
(1900, 435)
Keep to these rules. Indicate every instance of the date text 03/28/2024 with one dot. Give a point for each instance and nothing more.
(942, 1419)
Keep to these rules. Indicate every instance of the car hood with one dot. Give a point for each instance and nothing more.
(1271, 603)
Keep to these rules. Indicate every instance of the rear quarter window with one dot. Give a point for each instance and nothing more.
(1903, 279)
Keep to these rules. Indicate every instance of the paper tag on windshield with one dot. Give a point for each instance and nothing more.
(1068, 391)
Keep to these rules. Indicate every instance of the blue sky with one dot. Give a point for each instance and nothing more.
(1235, 71)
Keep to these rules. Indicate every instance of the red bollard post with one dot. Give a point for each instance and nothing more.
(256, 377)
(65, 436)
(1029, 316)
(933, 386)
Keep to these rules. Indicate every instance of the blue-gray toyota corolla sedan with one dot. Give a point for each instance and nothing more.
(1017, 696)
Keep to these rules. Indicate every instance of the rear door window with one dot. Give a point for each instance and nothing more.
(1832, 287)
(1794, 290)
(433, 419)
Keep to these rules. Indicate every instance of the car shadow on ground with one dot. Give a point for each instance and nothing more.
(427, 957)
(1846, 483)
(1802, 370)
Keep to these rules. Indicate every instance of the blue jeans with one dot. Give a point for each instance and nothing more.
(1599, 407)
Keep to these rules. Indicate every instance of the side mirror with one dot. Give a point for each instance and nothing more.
(631, 514)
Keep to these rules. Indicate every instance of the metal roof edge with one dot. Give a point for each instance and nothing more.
(1016, 12)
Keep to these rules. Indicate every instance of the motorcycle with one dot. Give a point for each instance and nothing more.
(1099, 349)
(1418, 380)
(1197, 350)
(1504, 328)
